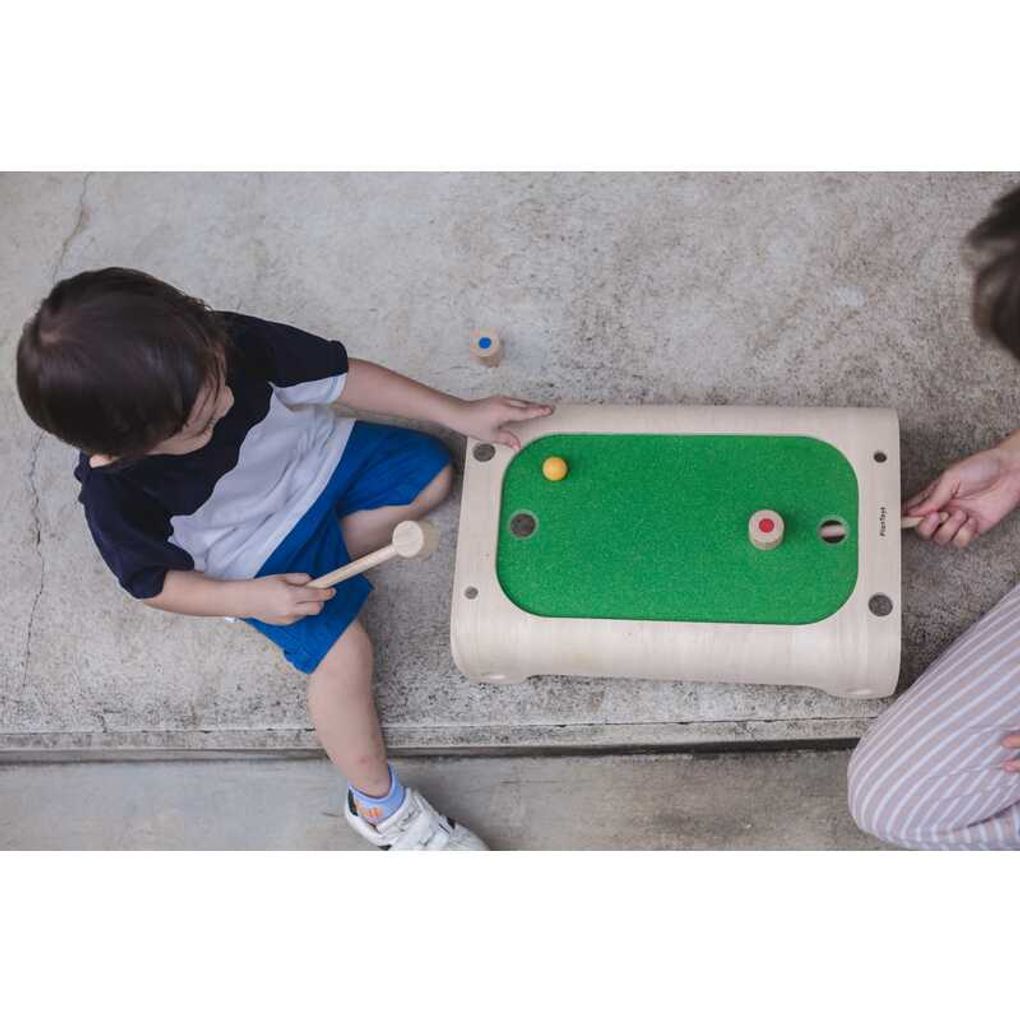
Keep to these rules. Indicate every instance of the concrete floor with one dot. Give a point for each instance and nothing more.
(779, 289)
(757, 801)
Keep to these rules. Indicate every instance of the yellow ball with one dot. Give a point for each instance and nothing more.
(554, 468)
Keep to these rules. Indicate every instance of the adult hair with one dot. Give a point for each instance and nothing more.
(113, 361)
(994, 248)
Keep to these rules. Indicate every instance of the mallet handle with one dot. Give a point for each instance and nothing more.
(358, 566)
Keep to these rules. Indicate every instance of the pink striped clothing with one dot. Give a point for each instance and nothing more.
(928, 773)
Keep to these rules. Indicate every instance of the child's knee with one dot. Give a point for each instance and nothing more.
(349, 657)
(436, 491)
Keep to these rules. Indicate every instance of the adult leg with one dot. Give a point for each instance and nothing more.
(928, 774)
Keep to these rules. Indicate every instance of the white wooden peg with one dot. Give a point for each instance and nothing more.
(765, 529)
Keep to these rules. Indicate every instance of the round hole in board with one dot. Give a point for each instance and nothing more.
(523, 524)
(827, 530)
(471, 593)
(485, 451)
(880, 605)
(880, 457)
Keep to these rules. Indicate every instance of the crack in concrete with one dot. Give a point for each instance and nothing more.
(37, 546)
(80, 223)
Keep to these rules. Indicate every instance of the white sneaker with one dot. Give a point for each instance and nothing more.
(415, 825)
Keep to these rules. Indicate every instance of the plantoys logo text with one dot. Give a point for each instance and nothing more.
(882, 517)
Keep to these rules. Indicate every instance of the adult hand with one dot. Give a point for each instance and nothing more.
(973, 495)
(283, 598)
(487, 419)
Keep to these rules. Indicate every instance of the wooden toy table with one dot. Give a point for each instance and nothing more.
(638, 562)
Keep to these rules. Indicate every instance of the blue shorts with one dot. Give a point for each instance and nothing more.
(382, 465)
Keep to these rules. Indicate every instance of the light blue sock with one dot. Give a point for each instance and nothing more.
(377, 809)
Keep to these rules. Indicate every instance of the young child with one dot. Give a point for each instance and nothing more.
(939, 769)
(217, 481)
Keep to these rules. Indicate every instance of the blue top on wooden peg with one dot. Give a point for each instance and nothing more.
(487, 348)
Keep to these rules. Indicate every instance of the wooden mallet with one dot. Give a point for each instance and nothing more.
(411, 540)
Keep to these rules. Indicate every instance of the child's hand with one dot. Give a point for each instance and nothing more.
(283, 598)
(977, 493)
(486, 419)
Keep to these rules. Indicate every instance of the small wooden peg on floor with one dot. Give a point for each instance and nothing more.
(487, 348)
(411, 540)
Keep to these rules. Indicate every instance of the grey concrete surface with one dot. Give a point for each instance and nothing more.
(780, 289)
(756, 801)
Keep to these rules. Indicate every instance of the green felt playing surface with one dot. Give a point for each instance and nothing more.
(654, 527)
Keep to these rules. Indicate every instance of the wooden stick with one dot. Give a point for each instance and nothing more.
(358, 566)
(913, 522)
(832, 531)
(838, 531)
(411, 540)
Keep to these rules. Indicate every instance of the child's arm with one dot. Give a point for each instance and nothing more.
(278, 598)
(370, 387)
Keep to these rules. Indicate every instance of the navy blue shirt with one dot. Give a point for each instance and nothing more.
(224, 508)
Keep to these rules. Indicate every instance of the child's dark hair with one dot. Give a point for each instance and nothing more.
(113, 360)
(995, 252)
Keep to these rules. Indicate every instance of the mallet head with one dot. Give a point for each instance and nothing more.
(418, 539)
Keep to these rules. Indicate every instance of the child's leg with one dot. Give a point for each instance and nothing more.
(379, 807)
(340, 690)
(928, 774)
(367, 530)
(343, 712)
